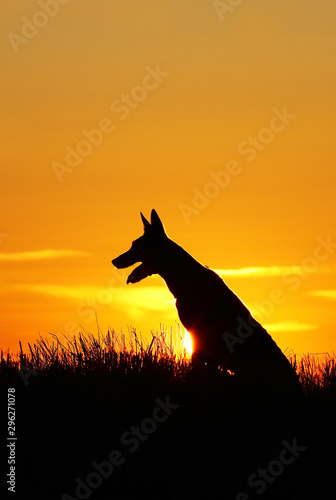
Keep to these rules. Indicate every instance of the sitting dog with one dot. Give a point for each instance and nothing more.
(222, 328)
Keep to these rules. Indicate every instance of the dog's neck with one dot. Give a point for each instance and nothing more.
(175, 267)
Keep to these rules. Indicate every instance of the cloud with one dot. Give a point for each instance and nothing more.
(41, 255)
(149, 298)
(289, 326)
(68, 292)
(270, 271)
(259, 272)
(325, 294)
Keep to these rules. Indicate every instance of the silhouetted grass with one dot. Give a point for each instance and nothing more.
(317, 372)
(87, 353)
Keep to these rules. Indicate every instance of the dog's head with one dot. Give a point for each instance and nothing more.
(145, 250)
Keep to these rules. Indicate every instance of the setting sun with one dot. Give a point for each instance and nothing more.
(188, 343)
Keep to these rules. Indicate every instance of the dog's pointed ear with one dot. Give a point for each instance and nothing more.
(146, 224)
(156, 223)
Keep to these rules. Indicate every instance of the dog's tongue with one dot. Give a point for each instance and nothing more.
(139, 273)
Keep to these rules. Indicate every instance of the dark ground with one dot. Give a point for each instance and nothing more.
(213, 443)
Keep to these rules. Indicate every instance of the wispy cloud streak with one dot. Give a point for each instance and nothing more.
(46, 254)
(262, 272)
(152, 298)
(289, 326)
(325, 294)
(68, 292)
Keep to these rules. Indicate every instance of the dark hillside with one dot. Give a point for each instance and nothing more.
(94, 421)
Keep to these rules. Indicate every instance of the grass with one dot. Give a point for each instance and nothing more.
(130, 353)
(87, 353)
(76, 397)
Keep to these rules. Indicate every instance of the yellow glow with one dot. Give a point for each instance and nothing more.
(187, 341)
(148, 298)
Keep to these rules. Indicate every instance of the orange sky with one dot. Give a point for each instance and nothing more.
(220, 118)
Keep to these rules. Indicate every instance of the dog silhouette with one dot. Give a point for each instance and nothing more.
(222, 328)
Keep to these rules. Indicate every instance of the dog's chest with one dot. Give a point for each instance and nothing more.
(194, 311)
